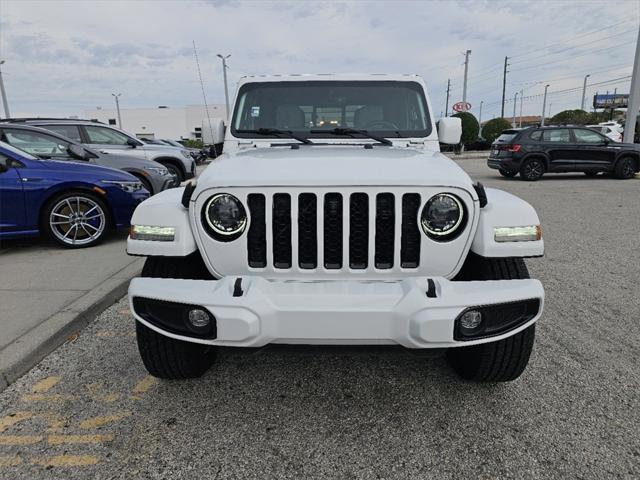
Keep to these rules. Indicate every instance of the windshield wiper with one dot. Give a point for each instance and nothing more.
(351, 131)
(277, 131)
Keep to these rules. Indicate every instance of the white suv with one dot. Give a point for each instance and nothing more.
(332, 218)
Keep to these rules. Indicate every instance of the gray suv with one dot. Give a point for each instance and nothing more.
(106, 138)
(46, 144)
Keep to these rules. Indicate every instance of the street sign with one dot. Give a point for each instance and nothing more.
(462, 107)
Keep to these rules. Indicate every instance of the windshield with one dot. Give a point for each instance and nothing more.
(507, 136)
(387, 108)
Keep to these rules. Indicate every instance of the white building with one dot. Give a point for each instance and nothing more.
(173, 123)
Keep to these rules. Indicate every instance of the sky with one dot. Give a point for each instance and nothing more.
(62, 57)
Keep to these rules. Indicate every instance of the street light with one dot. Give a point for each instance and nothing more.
(118, 108)
(224, 72)
(5, 103)
(584, 91)
(544, 104)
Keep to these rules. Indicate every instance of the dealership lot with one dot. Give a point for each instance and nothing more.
(89, 410)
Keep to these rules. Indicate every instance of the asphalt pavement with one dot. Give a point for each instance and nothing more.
(90, 411)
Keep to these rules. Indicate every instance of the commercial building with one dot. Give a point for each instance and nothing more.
(174, 123)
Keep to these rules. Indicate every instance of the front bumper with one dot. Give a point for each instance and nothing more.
(254, 311)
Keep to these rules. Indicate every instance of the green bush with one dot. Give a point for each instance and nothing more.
(493, 128)
(573, 117)
(190, 143)
(470, 127)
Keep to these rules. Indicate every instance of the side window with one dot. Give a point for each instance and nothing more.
(587, 136)
(69, 131)
(105, 136)
(536, 135)
(39, 144)
(561, 135)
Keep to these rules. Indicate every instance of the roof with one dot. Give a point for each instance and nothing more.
(46, 119)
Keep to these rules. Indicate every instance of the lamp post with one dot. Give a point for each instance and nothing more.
(584, 91)
(5, 103)
(521, 97)
(224, 73)
(544, 104)
(118, 108)
(515, 103)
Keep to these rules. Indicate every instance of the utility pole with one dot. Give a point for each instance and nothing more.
(584, 91)
(5, 103)
(634, 97)
(544, 104)
(446, 107)
(515, 102)
(504, 84)
(226, 87)
(480, 116)
(118, 108)
(466, 70)
(521, 97)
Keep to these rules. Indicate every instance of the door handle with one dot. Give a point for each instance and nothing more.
(32, 179)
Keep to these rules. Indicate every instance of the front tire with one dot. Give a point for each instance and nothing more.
(165, 357)
(625, 168)
(508, 173)
(175, 171)
(500, 361)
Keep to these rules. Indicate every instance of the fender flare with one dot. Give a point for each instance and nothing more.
(505, 210)
(542, 155)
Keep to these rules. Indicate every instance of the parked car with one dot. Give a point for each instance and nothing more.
(75, 204)
(106, 138)
(607, 131)
(47, 144)
(344, 224)
(535, 151)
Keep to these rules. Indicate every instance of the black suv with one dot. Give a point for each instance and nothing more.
(532, 152)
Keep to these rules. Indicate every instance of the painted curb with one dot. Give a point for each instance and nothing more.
(28, 350)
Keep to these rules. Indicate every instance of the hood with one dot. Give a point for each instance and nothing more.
(333, 165)
(117, 160)
(90, 170)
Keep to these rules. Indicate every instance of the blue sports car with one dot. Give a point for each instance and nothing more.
(74, 204)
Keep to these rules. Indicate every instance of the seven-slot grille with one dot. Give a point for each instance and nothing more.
(321, 217)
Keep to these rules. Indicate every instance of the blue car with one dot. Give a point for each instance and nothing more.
(74, 204)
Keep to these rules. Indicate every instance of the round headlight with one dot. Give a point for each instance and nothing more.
(442, 216)
(224, 217)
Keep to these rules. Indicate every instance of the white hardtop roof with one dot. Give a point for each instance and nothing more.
(302, 77)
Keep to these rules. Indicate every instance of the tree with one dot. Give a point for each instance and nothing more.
(573, 117)
(493, 128)
(470, 127)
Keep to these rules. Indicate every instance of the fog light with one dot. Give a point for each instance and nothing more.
(199, 318)
(470, 320)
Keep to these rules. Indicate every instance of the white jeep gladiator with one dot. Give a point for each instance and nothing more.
(332, 218)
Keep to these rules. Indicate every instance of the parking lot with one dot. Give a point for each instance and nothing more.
(89, 410)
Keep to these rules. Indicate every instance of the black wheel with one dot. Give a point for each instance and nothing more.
(165, 357)
(76, 219)
(508, 173)
(591, 174)
(532, 169)
(625, 168)
(146, 184)
(175, 171)
(500, 361)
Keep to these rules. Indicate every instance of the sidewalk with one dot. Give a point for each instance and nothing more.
(48, 293)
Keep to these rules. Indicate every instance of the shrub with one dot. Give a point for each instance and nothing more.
(470, 127)
(493, 128)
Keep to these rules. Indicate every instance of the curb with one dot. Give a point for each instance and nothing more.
(28, 350)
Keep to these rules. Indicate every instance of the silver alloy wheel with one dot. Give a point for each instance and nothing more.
(77, 220)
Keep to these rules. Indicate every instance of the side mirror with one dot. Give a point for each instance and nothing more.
(3, 167)
(132, 143)
(77, 152)
(449, 130)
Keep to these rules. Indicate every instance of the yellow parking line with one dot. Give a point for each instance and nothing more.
(45, 385)
(96, 422)
(143, 386)
(19, 439)
(10, 460)
(62, 439)
(67, 461)
(10, 420)
(36, 397)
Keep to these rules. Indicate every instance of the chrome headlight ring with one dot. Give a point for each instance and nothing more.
(224, 217)
(443, 217)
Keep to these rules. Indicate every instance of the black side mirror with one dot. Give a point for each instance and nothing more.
(132, 143)
(3, 167)
(77, 152)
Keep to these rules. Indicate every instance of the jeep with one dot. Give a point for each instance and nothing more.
(332, 218)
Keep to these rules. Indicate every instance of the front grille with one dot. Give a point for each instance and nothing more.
(370, 223)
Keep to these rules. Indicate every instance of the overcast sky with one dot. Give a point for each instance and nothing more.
(62, 57)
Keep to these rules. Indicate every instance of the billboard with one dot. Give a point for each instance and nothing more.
(611, 100)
